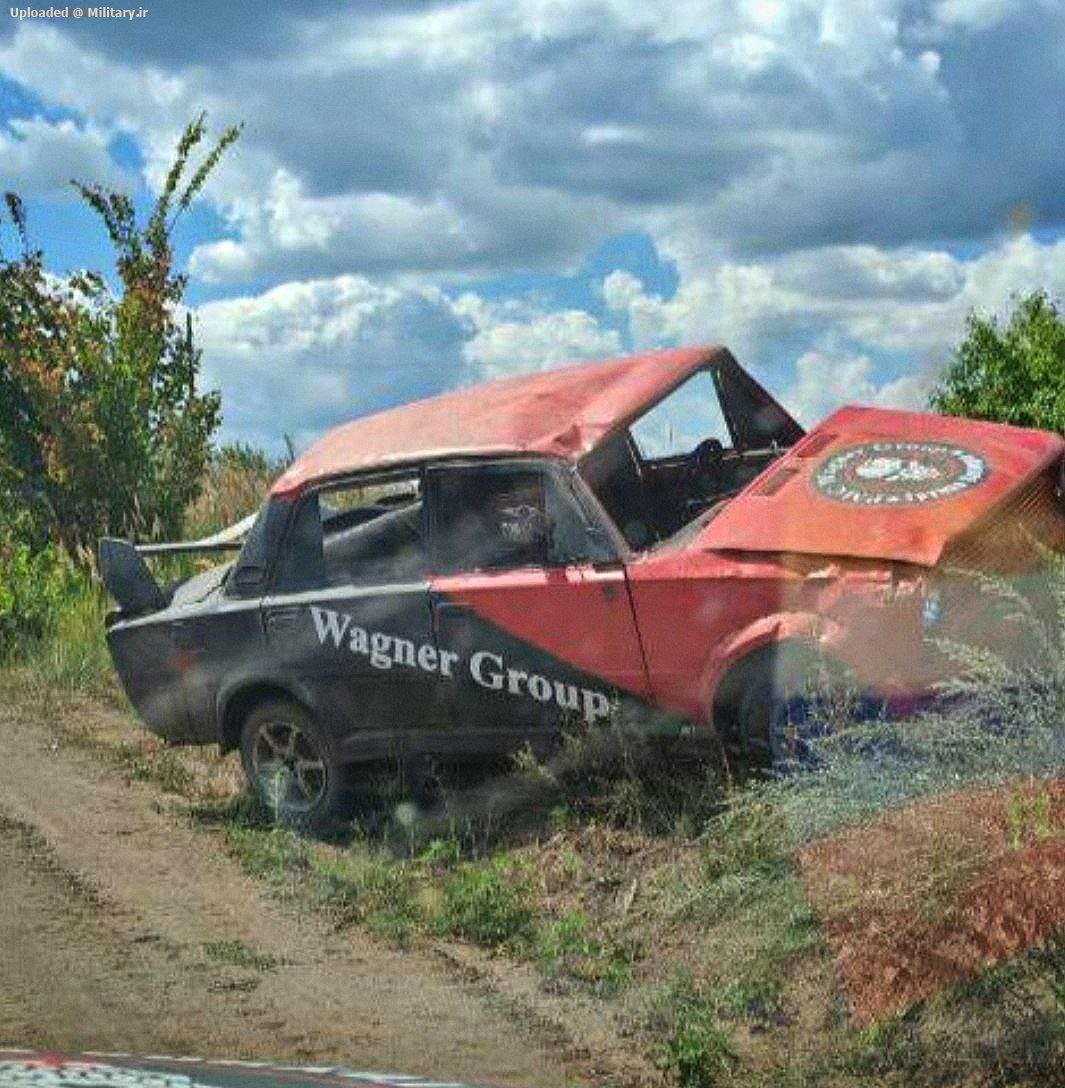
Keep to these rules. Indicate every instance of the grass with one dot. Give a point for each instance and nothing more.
(699, 938)
(239, 954)
(74, 656)
(1030, 817)
(692, 1045)
(567, 948)
(487, 903)
(356, 886)
(165, 767)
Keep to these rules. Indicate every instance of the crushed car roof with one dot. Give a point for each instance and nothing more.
(560, 413)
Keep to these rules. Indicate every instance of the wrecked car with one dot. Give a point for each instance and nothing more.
(475, 572)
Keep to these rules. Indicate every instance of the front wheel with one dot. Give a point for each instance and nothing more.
(791, 696)
(291, 764)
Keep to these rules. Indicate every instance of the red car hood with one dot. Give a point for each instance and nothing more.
(879, 484)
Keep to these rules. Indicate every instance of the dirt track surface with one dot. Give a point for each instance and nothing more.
(108, 897)
(928, 895)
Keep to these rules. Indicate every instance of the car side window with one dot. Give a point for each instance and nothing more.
(504, 516)
(357, 533)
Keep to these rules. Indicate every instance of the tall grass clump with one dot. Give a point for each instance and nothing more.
(51, 612)
(75, 656)
(623, 774)
(237, 478)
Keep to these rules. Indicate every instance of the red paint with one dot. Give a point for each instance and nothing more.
(781, 560)
(559, 413)
(794, 564)
(577, 614)
(795, 517)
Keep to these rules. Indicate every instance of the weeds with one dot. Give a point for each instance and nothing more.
(37, 585)
(566, 948)
(888, 1046)
(635, 774)
(1000, 718)
(69, 654)
(710, 868)
(238, 954)
(692, 1046)
(352, 887)
(1029, 817)
(486, 902)
(1004, 1026)
(164, 767)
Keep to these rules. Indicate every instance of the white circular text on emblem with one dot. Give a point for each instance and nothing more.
(899, 473)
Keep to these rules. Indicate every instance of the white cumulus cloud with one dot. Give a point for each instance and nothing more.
(39, 158)
(513, 340)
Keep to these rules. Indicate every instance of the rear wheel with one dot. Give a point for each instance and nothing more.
(291, 763)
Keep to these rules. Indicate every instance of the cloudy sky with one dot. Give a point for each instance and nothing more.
(427, 193)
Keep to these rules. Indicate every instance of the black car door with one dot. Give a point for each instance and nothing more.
(349, 617)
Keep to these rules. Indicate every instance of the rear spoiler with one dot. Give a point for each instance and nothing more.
(230, 539)
(131, 583)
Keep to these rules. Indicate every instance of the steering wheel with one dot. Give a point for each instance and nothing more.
(704, 467)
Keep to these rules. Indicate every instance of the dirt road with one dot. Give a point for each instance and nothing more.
(110, 904)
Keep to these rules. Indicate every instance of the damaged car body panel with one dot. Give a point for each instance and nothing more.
(861, 483)
(468, 574)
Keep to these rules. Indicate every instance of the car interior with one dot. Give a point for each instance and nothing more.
(385, 542)
(688, 454)
(488, 516)
(355, 534)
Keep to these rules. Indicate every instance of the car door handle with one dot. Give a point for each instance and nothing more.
(279, 620)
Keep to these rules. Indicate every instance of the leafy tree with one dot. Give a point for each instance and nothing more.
(1014, 374)
(102, 429)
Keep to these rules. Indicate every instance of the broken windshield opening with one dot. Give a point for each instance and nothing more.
(687, 454)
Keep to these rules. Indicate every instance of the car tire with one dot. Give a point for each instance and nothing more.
(292, 764)
(787, 703)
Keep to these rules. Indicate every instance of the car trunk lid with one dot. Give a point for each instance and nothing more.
(881, 484)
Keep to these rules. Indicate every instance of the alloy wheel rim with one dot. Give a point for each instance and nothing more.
(289, 767)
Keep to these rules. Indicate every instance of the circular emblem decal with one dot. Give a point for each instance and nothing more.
(899, 473)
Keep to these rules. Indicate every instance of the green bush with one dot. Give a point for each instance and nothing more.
(36, 586)
(692, 1047)
(483, 902)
